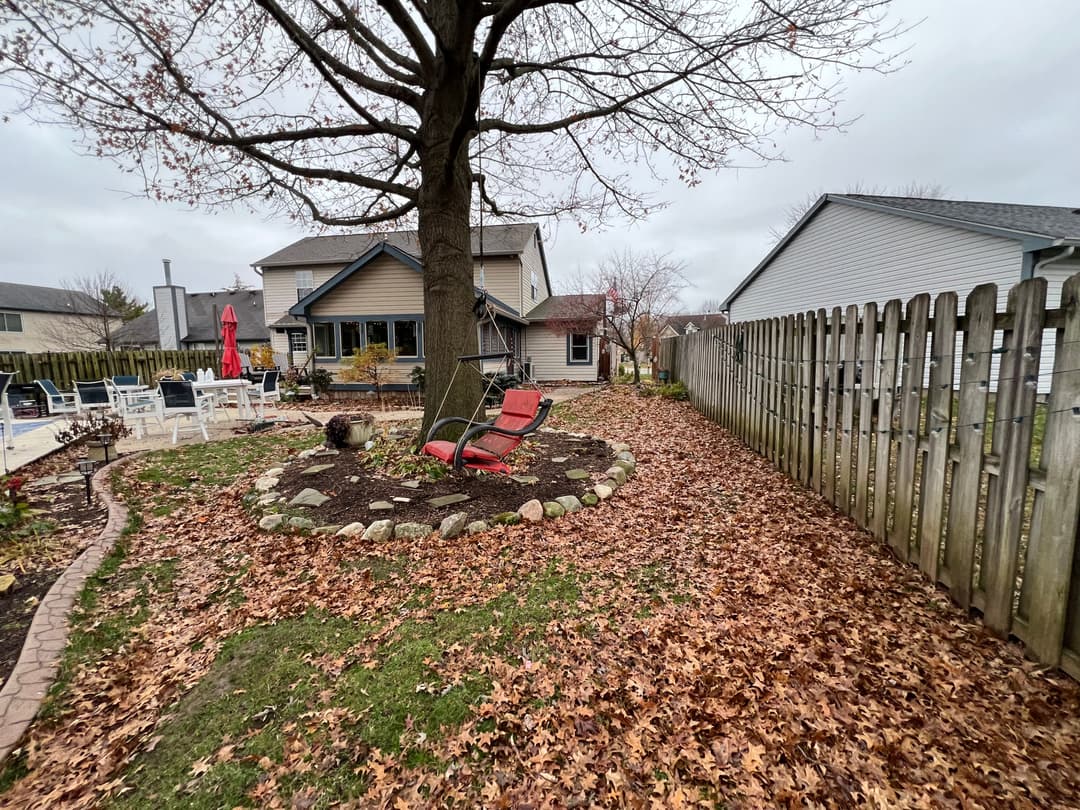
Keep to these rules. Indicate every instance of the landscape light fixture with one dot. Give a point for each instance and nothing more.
(105, 439)
(85, 467)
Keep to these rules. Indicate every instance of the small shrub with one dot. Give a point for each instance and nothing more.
(418, 377)
(13, 506)
(262, 356)
(320, 381)
(337, 429)
(675, 390)
(86, 428)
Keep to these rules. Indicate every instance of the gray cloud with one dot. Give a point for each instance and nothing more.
(986, 108)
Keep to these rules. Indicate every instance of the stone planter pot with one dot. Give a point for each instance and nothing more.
(359, 433)
(96, 452)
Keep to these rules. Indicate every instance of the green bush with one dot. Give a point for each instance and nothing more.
(675, 390)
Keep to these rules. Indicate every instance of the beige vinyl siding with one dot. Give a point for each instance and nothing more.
(848, 255)
(279, 288)
(51, 332)
(531, 263)
(502, 278)
(397, 374)
(547, 350)
(384, 286)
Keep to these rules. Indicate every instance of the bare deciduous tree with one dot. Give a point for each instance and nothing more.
(793, 213)
(627, 295)
(359, 114)
(98, 304)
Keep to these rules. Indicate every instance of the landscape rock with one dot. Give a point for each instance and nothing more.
(532, 511)
(590, 499)
(309, 497)
(560, 460)
(453, 525)
(274, 472)
(268, 498)
(380, 506)
(351, 529)
(619, 447)
(308, 453)
(265, 484)
(301, 523)
(379, 530)
(332, 529)
(327, 451)
(603, 491)
(577, 475)
(447, 500)
(618, 474)
(354, 479)
(623, 464)
(626, 455)
(7, 582)
(411, 484)
(316, 469)
(402, 499)
(613, 485)
(569, 502)
(525, 479)
(553, 510)
(271, 522)
(412, 531)
(506, 519)
(477, 526)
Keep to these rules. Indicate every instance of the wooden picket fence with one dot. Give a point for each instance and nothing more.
(65, 367)
(945, 451)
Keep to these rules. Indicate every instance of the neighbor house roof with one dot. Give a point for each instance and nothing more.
(202, 326)
(30, 298)
(1034, 226)
(703, 321)
(499, 240)
(564, 307)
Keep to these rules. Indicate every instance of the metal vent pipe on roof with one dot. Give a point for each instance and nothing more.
(167, 263)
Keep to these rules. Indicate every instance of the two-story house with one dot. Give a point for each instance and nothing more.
(326, 296)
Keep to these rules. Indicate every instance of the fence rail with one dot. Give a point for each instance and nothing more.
(65, 367)
(929, 432)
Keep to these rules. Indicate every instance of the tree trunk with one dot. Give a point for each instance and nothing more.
(443, 207)
(637, 368)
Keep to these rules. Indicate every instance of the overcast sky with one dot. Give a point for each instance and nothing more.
(987, 108)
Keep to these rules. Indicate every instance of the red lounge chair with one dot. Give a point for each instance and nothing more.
(522, 413)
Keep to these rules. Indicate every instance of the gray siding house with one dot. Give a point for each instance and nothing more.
(856, 248)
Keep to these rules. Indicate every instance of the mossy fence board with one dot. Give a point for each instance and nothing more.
(929, 429)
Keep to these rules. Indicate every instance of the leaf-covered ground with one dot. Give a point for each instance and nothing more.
(713, 636)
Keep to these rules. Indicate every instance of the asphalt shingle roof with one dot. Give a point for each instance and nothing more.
(250, 320)
(1055, 222)
(499, 240)
(702, 321)
(563, 306)
(28, 298)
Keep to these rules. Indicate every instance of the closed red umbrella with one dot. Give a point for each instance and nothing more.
(230, 358)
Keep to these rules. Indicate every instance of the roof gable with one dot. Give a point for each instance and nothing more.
(302, 306)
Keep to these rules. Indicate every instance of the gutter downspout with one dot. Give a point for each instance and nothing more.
(1060, 257)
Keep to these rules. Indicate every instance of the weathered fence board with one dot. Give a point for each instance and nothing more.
(855, 405)
(63, 368)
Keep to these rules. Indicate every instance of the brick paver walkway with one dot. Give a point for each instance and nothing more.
(39, 660)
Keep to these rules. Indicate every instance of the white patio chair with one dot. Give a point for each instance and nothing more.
(92, 396)
(137, 408)
(265, 391)
(180, 400)
(5, 409)
(56, 402)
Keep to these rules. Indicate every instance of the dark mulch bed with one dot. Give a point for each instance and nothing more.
(36, 562)
(488, 494)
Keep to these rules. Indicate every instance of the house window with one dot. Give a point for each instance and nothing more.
(297, 341)
(305, 283)
(10, 322)
(534, 285)
(405, 339)
(350, 337)
(579, 349)
(376, 332)
(325, 345)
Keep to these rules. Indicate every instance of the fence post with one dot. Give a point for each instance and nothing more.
(865, 366)
(890, 349)
(1051, 562)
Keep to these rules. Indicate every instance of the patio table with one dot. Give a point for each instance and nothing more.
(243, 403)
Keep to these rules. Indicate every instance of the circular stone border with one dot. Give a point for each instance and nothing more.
(263, 496)
(34, 672)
